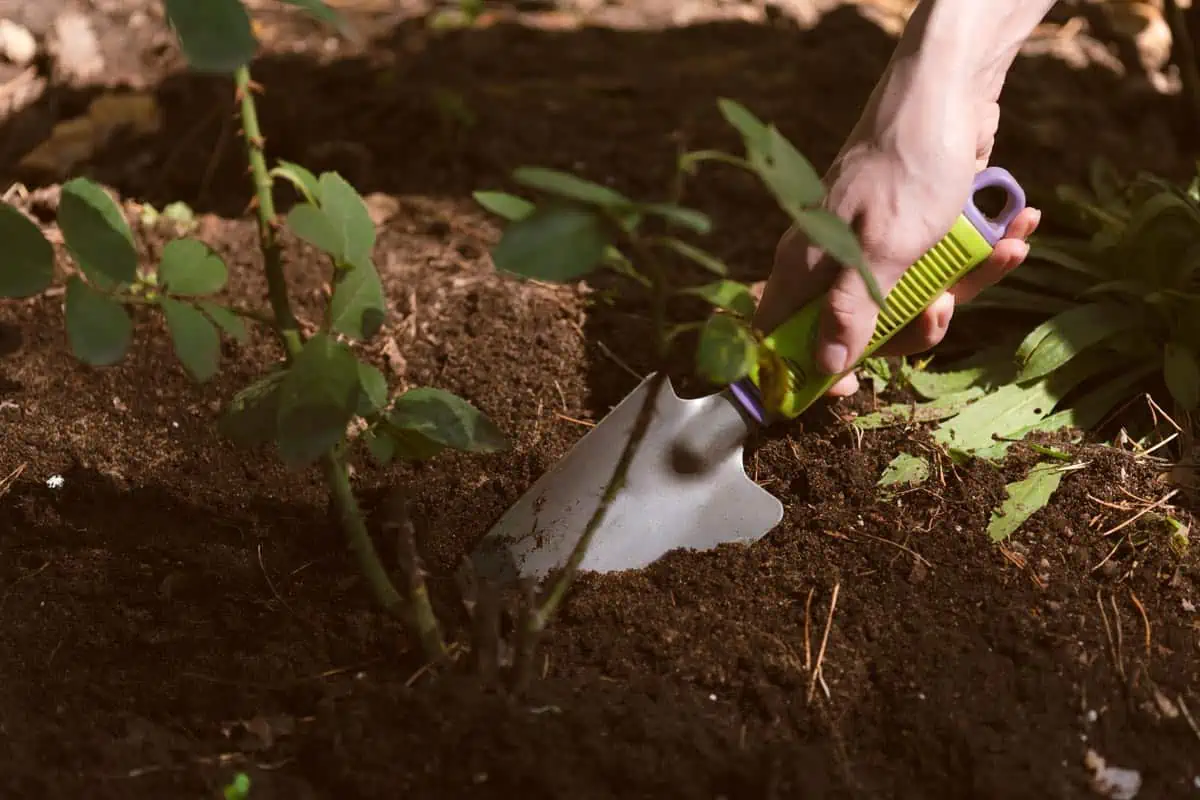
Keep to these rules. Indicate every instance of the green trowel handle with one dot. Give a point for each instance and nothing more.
(969, 242)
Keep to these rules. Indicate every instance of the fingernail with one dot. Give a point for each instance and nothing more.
(1020, 256)
(1037, 218)
(831, 357)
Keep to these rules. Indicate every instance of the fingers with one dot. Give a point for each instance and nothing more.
(845, 387)
(928, 330)
(924, 332)
(847, 322)
(1008, 254)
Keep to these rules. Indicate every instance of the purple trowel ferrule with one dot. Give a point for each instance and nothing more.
(993, 228)
(747, 396)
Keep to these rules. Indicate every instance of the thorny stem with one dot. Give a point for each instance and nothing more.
(558, 590)
(337, 475)
(421, 613)
(277, 292)
(540, 618)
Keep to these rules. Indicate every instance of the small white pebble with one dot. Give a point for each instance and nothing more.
(55, 481)
(1196, 781)
(712, 697)
(1188, 605)
(1092, 715)
(174, 424)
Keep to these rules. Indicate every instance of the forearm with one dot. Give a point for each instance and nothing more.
(977, 39)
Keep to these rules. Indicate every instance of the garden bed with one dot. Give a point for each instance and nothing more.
(179, 609)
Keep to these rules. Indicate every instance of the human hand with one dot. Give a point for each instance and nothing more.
(902, 179)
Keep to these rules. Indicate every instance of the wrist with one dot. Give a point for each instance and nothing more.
(977, 41)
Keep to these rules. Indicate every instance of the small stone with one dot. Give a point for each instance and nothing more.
(17, 44)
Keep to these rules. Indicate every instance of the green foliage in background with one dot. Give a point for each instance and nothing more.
(1111, 308)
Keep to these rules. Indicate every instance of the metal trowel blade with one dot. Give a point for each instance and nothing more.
(663, 506)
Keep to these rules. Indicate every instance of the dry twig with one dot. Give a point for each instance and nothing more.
(816, 673)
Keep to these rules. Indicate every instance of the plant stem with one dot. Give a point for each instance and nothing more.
(540, 618)
(558, 590)
(277, 293)
(421, 615)
(358, 538)
(418, 612)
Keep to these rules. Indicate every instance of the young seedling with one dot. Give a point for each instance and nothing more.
(305, 404)
(582, 226)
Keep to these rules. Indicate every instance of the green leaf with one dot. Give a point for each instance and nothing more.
(1060, 339)
(357, 307)
(908, 413)
(197, 342)
(990, 367)
(1025, 497)
(729, 295)
(226, 320)
(906, 470)
(447, 420)
(348, 215)
(571, 187)
(832, 234)
(696, 256)
(1078, 257)
(215, 35)
(1051, 278)
(726, 350)
(690, 218)
(313, 226)
(753, 131)
(380, 445)
(789, 175)
(27, 266)
(189, 267)
(98, 328)
(375, 389)
(1013, 299)
(318, 10)
(555, 243)
(97, 234)
(878, 371)
(300, 177)
(239, 788)
(506, 206)
(1182, 375)
(251, 416)
(1012, 408)
(318, 397)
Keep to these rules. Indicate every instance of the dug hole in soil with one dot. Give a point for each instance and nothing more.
(181, 609)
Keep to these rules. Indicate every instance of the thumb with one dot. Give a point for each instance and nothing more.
(847, 323)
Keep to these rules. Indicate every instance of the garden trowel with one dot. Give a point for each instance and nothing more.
(686, 486)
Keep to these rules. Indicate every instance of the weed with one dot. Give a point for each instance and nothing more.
(1119, 305)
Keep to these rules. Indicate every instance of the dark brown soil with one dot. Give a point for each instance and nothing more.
(180, 609)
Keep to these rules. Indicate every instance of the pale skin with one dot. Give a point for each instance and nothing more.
(903, 176)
